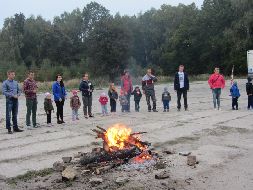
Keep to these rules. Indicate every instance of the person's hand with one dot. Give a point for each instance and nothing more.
(47, 112)
(60, 99)
(16, 97)
(34, 91)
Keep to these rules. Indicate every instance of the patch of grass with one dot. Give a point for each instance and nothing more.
(30, 175)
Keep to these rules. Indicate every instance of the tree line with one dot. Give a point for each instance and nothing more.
(93, 40)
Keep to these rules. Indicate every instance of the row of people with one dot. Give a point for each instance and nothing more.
(12, 92)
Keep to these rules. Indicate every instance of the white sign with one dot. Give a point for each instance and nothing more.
(250, 62)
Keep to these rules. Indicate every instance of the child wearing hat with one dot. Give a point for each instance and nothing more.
(103, 99)
(48, 107)
(235, 93)
(75, 104)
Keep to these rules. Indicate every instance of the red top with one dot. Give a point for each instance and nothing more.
(103, 100)
(216, 81)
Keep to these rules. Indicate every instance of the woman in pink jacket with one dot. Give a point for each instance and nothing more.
(216, 82)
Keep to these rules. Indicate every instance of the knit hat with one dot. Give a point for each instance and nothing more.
(74, 92)
(103, 94)
(47, 94)
(249, 79)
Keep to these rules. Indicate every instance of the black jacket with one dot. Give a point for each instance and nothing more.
(113, 95)
(177, 84)
(249, 88)
(85, 86)
(137, 97)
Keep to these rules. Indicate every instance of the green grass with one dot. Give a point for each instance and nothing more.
(30, 175)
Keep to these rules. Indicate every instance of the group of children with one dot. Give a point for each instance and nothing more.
(113, 96)
(75, 102)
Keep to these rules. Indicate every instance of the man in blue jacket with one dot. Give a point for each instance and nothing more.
(86, 87)
(12, 92)
(181, 86)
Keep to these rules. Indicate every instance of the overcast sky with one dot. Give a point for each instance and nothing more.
(50, 8)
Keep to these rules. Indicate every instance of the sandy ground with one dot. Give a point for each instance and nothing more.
(221, 140)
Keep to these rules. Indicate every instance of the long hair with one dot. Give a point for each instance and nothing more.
(61, 82)
(111, 88)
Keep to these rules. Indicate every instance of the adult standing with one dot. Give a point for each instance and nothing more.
(87, 88)
(12, 92)
(59, 93)
(30, 90)
(181, 86)
(148, 88)
(127, 87)
(216, 82)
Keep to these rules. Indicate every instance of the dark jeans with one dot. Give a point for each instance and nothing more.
(250, 102)
(151, 94)
(87, 103)
(113, 105)
(216, 96)
(11, 110)
(137, 106)
(59, 106)
(31, 105)
(179, 95)
(166, 105)
(49, 116)
(128, 96)
(124, 108)
(235, 103)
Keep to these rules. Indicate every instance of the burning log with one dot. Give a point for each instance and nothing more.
(104, 156)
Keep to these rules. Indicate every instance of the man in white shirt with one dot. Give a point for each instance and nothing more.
(181, 86)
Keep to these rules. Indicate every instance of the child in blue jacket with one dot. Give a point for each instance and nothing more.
(235, 93)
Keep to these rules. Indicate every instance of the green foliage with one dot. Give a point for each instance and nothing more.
(92, 40)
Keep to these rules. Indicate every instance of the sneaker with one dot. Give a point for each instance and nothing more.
(62, 121)
(59, 122)
(154, 110)
(219, 109)
(149, 110)
(10, 132)
(35, 126)
(86, 117)
(28, 127)
(164, 110)
(49, 125)
(91, 115)
(186, 109)
(168, 110)
(178, 109)
(18, 130)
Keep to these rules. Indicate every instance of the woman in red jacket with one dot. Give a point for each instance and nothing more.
(216, 82)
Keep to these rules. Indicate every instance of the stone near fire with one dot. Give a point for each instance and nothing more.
(95, 180)
(59, 166)
(184, 153)
(162, 175)
(122, 180)
(67, 159)
(69, 174)
(191, 160)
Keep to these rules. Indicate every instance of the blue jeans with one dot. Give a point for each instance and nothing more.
(104, 109)
(128, 96)
(74, 114)
(216, 96)
(11, 110)
(166, 104)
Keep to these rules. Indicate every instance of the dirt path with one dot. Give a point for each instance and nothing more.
(221, 140)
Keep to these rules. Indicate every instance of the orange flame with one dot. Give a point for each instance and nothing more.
(117, 136)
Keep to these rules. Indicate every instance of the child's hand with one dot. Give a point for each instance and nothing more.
(47, 112)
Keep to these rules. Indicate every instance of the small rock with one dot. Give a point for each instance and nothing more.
(66, 159)
(191, 160)
(169, 152)
(59, 166)
(122, 180)
(184, 153)
(69, 174)
(160, 165)
(95, 180)
(85, 172)
(75, 161)
(162, 175)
